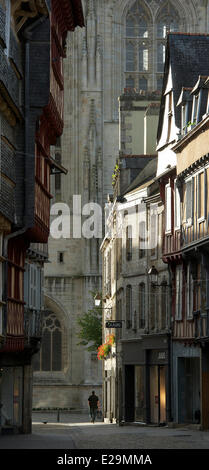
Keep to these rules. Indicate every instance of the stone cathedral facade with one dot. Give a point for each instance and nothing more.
(122, 45)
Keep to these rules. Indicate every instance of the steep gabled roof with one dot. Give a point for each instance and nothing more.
(147, 174)
(188, 56)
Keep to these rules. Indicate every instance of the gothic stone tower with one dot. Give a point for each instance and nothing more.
(122, 45)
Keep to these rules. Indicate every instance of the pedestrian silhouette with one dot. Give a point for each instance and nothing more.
(93, 404)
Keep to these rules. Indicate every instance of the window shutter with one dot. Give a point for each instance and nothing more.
(190, 200)
(42, 288)
(168, 208)
(177, 208)
(153, 230)
(34, 286)
(38, 288)
(179, 293)
(31, 286)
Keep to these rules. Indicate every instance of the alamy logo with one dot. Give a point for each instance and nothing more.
(134, 223)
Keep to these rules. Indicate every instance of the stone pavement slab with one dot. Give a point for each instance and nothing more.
(77, 432)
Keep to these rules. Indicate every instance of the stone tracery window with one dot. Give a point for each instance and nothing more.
(167, 21)
(145, 42)
(49, 357)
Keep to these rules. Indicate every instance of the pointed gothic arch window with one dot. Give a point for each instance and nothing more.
(130, 27)
(167, 21)
(138, 23)
(130, 82)
(130, 60)
(49, 358)
(143, 84)
(142, 28)
(142, 32)
(128, 306)
(160, 57)
(143, 58)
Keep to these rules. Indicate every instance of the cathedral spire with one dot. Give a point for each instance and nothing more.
(91, 9)
(84, 63)
(91, 41)
(99, 62)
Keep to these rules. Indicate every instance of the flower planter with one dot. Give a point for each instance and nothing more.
(105, 349)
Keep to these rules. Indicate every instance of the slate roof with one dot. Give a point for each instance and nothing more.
(147, 174)
(188, 55)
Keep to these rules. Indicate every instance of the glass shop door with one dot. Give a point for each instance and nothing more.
(157, 394)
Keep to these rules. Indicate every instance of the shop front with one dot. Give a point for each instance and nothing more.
(146, 373)
(158, 386)
(186, 383)
(11, 391)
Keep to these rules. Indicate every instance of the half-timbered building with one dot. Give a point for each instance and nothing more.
(192, 180)
(32, 48)
(183, 105)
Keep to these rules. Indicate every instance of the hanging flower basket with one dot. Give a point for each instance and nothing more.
(105, 349)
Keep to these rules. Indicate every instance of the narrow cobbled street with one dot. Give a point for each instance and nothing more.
(76, 432)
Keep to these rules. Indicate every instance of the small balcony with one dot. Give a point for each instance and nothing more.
(172, 242)
(38, 251)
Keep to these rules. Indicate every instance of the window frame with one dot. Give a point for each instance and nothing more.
(196, 108)
(189, 220)
(177, 204)
(202, 218)
(51, 331)
(142, 294)
(129, 306)
(178, 308)
(189, 293)
(129, 243)
(168, 228)
(169, 19)
(59, 253)
(154, 233)
(184, 118)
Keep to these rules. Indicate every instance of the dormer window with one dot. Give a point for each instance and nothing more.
(185, 101)
(195, 110)
(170, 114)
(207, 111)
(184, 120)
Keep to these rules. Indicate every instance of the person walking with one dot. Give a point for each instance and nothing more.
(93, 404)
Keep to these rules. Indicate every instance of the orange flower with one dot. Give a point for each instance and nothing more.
(111, 339)
(103, 351)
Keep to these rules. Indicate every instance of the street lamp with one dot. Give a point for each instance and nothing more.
(153, 273)
(97, 300)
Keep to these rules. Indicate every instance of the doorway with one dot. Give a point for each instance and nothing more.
(129, 393)
(188, 389)
(158, 394)
(139, 394)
